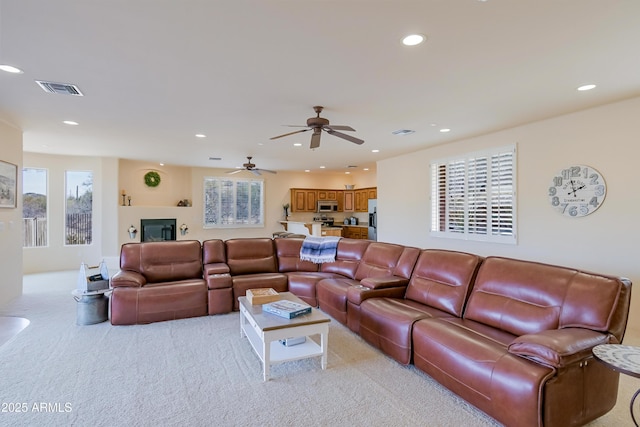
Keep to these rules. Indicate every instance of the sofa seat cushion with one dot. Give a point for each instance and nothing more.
(472, 360)
(303, 284)
(277, 281)
(159, 302)
(332, 297)
(386, 323)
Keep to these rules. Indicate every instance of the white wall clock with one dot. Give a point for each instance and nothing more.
(577, 191)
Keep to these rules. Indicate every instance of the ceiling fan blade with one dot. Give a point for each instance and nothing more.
(235, 171)
(255, 171)
(265, 170)
(290, 133)
(339, 127)
(315, 140)
(345, 136)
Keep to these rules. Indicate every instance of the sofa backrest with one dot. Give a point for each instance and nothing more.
(442, 279)
(387, 259)
(214, 251)
(251, 255)
(523, 297)
(163, 261)
(348, 256)
(288, 253)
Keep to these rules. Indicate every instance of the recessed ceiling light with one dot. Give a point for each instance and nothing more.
(347, 172)
(10, 69)
(307, 170)
(375, 151)
(365, 169)
(586, 87)
(161, 164)
(413, 39)
(322, 167)
(70, 123)
(297, 144)
(200, 135)
(445, 130)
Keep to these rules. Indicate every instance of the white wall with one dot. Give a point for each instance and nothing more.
(606, 138)
(11, 220)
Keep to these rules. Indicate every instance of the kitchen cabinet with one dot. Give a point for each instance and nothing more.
(327, 194)
(355, 232)
(331, 231)
(304, 200)
(349, 201)
(362, 196)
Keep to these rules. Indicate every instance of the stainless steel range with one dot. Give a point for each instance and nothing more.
(325, 220)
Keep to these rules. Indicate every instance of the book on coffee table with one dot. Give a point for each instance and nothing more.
(287, 309)
(262, 295)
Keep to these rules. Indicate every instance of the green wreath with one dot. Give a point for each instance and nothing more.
(152, 179)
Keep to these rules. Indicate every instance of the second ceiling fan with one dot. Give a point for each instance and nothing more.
(251, 167)
(318, 124)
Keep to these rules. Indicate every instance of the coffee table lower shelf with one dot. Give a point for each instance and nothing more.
(266, 344)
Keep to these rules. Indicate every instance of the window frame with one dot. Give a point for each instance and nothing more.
(464, 186)
(65, 217)
(251, 182)
(46, 217)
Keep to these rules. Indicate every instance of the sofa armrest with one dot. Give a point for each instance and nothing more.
(357, 294)
(215, 268)
(128, 279)
(382, 282)
(558, 348)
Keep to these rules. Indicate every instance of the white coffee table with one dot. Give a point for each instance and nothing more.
(264, 330)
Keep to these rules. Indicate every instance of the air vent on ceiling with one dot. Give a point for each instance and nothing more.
(60, 88)
(403, 132)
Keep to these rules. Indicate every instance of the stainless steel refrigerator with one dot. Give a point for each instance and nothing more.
(373, 219)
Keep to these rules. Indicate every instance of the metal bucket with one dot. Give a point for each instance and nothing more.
(92, 309)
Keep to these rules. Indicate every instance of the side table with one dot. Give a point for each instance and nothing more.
(624, 359)
(93, 306)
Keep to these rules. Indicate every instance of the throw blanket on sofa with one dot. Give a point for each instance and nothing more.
(319, 249)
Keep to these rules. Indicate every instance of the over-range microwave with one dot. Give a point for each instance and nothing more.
(327, 206)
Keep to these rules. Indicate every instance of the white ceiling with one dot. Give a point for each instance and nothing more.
(156, 72)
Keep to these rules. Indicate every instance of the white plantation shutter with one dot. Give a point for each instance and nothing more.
(233, 203)
(473, 197)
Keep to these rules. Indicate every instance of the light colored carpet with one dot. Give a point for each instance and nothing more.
(200, 372)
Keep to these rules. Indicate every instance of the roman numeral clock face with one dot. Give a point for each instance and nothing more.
(577, 191)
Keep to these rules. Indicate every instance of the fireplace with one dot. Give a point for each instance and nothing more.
(157, 230)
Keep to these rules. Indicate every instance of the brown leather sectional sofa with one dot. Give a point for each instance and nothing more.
(511, 337)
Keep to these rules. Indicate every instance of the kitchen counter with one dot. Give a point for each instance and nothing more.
(306, 228)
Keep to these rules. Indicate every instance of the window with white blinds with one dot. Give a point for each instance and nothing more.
(233, 203)
(474, 197)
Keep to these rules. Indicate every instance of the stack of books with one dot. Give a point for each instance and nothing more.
(287, 309)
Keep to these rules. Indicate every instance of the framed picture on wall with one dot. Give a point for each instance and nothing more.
(8, 184)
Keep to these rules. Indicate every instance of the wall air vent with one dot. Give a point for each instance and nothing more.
(60, 88)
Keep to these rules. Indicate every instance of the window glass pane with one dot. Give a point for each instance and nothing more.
(78, 207)
(34, 207)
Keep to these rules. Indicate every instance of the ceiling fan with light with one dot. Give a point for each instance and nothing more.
(318, 124)
(251, 167)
